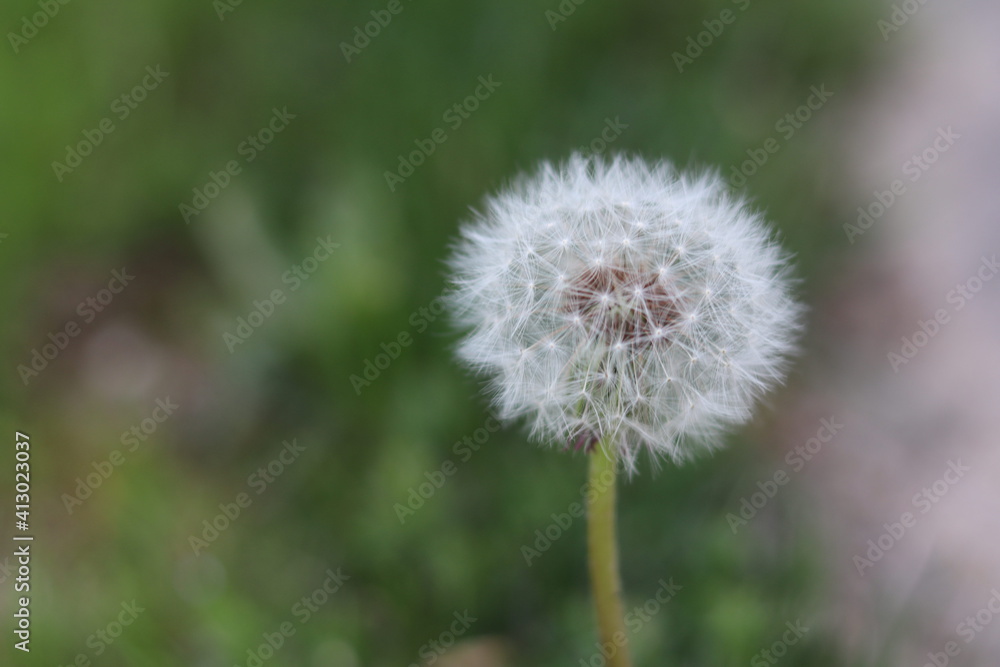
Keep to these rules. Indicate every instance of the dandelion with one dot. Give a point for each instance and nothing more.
(622, 307)
(624, 303)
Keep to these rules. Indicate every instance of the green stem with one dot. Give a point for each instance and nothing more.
(602, 548)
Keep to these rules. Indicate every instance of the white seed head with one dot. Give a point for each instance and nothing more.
(623, 302)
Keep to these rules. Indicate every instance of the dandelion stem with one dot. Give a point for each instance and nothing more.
(602, 549)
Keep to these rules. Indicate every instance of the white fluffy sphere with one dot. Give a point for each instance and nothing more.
(623, 302)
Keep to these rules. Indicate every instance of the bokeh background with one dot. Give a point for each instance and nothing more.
(588, 75)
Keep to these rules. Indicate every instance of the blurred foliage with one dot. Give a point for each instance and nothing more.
(323, 176)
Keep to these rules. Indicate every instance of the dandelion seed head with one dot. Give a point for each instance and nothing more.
(646, 308)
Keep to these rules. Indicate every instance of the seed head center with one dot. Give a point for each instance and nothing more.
(623, 305)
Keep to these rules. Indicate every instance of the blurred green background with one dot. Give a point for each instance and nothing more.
(366, 447)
